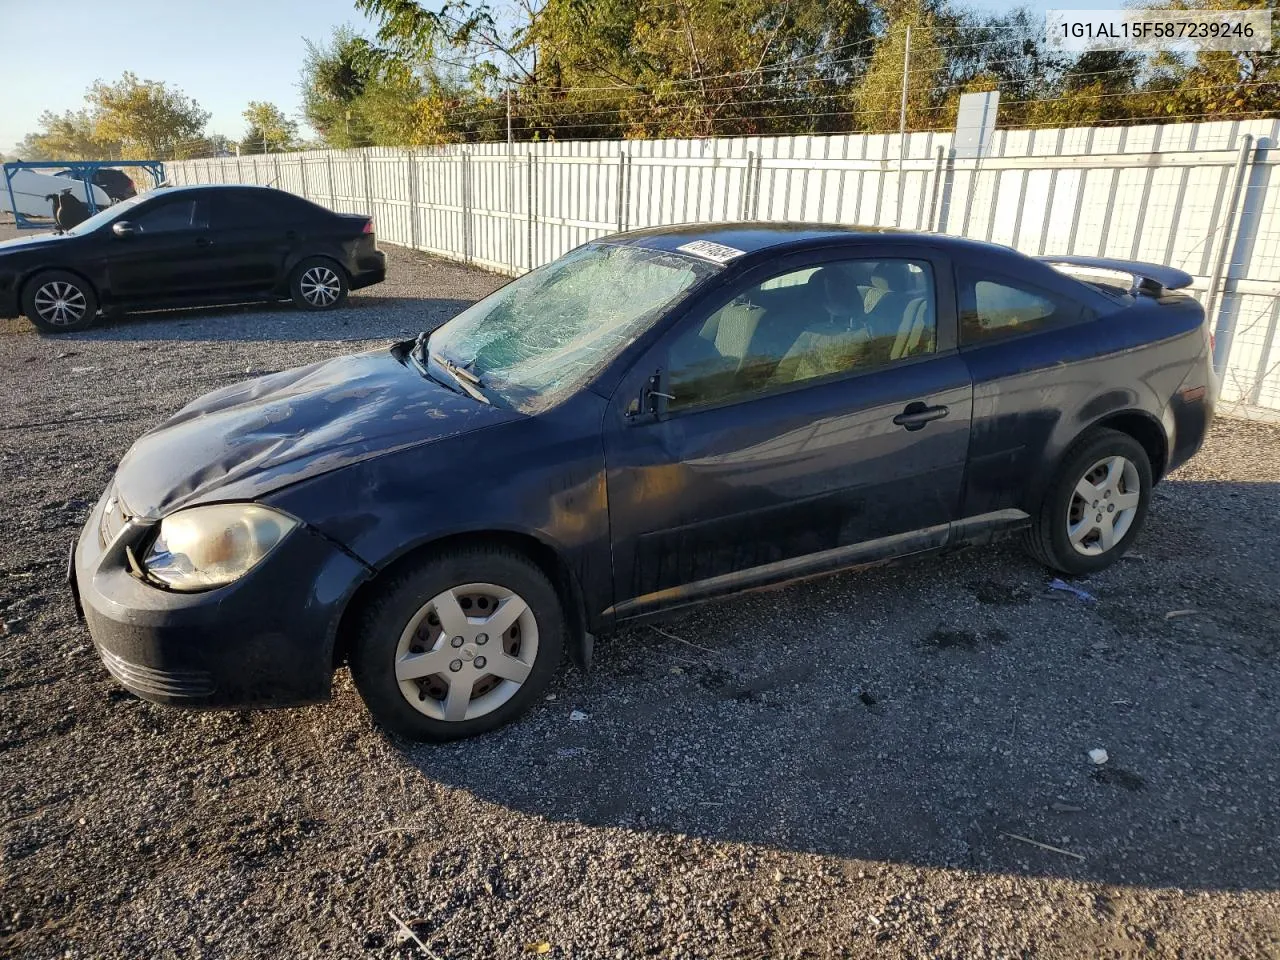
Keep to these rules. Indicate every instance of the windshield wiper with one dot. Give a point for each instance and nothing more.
(419, 360)
(467, 380)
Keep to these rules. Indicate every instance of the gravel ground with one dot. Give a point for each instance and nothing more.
(832, 769)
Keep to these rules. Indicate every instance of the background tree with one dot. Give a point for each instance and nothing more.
(877, 98)
(211, 145)
(72, 135)
(267, 129)
(145, 117)
(335, 76)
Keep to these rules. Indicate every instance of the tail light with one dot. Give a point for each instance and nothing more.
(368, 227)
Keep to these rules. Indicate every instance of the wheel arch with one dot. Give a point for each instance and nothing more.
(1144, 428)
(296, 260)
(35, 274)
(541, 553)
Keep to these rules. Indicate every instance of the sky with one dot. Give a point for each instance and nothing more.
(223, 53)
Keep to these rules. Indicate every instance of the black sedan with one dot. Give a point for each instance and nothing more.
(653, 420)
(189, 246)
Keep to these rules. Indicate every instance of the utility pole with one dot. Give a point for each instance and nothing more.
(902, 125)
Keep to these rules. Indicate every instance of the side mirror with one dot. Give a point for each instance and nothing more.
(123, 228)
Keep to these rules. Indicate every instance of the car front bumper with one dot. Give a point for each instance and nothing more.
(9, 306)
(265, 640)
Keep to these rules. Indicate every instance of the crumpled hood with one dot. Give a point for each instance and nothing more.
(246, 440)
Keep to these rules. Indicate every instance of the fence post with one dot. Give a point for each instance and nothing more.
(933, 194)
(302, 172)
(755, 199)
(368, 185)
(622, 189)
(528, 254)
(413, 200)
(277, 166)
(328, 162)
(626, 206)
(508, 174)
(466, 206)
(1219, 321)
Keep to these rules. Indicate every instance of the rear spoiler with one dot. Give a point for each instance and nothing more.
(1148, 278)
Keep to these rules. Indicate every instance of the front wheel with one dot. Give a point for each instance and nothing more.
(59, 302)
(458, 645)
(1095, 506)
(318, 284)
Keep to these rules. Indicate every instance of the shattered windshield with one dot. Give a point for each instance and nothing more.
(549, 331)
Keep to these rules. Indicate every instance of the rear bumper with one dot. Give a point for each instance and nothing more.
(265, 640)
(1192, 409)
(370, 269)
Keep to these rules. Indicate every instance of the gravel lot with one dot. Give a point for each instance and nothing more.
(832, 769)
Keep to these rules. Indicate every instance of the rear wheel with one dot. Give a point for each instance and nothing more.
(1096, 505)
(458, 645)
(59, 302)
(318, 284)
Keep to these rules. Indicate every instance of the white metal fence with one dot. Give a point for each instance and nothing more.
(1203, 197)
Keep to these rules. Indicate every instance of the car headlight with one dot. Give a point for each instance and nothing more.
(206, 547)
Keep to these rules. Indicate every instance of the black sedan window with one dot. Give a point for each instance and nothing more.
(259, 208)
(172, 215)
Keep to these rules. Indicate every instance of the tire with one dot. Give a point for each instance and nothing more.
(405, 621)
(59, 302)
(318, 283)
(1078, 534)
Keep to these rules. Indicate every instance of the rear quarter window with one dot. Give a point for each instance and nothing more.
(995, 307)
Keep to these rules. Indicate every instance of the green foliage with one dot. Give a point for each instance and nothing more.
(267, 129)
(573, 69)
(145, 117)
(335, 76)
(878, 97)
(68, 136)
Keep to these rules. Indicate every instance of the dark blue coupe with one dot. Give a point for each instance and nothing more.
(655, 419)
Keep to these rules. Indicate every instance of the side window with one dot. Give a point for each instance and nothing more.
(172, 216)
(995, 306)
(803, 325)
(259, 208)
(234, 211)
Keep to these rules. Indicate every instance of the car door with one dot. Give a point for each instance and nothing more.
(167, 253)
(815, 413)
(1020, 337)
(253, 232)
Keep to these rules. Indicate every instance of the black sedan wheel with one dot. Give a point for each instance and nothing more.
(1096, 505)
(59, 302)
(318, 284)
(458, 645)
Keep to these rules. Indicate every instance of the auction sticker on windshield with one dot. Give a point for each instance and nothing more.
(711, 251)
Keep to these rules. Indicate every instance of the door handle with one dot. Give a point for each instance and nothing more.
(917, 414)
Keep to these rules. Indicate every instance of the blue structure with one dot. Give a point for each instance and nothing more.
(82, 170)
